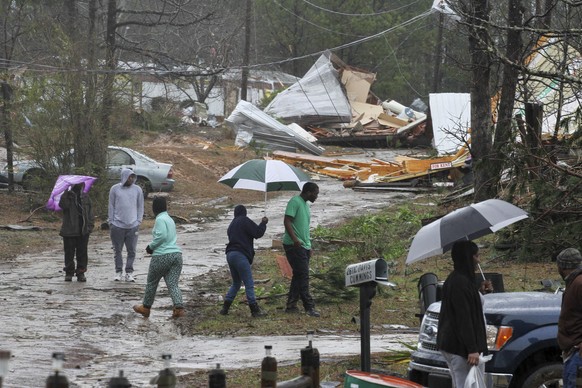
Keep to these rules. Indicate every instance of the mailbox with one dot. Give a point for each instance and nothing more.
(366, 275)
(368, 271)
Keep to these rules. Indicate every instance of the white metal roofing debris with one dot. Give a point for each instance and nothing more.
(252, 124)
(299, 131)
(451, 118)
(319, 93)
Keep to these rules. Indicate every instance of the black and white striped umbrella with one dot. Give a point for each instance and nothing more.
(467, 223)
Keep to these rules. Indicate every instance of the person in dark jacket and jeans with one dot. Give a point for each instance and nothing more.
(77, 225)
(461, 331)
(240, 254)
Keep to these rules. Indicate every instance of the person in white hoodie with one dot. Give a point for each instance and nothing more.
(125, 214)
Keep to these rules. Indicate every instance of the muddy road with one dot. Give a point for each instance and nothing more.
(94, 325)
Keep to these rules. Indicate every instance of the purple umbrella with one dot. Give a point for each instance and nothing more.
(63, 183)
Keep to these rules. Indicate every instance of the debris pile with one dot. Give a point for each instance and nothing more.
(332, 104)
(402, 172)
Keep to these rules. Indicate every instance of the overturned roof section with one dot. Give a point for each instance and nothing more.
(316, 98)
(252, 124)
(451, 119)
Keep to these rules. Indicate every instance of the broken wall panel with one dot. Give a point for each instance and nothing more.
(357, 84)
(451, 120)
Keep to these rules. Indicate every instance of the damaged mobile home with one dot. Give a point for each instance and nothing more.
(333, 102)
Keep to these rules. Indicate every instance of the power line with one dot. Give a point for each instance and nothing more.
(38, 67)
(312, 23)
(360, 14)
(354, 43)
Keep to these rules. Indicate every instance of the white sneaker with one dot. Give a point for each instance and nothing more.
(118, 276)
(129, 277)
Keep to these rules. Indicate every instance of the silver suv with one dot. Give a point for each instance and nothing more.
(152, 176)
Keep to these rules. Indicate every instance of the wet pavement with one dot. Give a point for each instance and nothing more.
(94, 326)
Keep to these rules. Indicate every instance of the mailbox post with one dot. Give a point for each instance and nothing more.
(366, 275)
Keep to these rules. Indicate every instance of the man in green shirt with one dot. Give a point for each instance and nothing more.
(297, 245)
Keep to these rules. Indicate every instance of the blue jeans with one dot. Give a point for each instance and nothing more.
(119, 238)
(298, 259)
(571, 369)
(240, 271)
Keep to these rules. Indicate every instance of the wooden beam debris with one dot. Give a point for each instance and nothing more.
(376, 171)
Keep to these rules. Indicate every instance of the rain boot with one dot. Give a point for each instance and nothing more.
(256, 310)
(141, 309)
(225, 307)
(178, 312)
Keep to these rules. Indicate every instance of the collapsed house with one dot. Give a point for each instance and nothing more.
(334, 104)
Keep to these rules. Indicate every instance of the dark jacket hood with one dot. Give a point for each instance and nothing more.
(239, 211)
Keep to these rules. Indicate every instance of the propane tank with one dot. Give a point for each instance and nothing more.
(268, 369)
(57, 380)
(217, 378)
(166, 377)
(119, 382)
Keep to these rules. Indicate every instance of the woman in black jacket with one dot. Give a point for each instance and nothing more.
(461, 332)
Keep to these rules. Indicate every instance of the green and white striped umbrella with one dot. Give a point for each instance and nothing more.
(266, 176)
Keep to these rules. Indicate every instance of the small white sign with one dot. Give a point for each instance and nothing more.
(361, 273)
(441, 166)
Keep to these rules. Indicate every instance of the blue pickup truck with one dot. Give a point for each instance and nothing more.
(521, 335)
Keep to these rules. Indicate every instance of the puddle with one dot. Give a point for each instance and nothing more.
(94, 326)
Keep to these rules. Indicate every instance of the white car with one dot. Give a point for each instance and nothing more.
(152, 176)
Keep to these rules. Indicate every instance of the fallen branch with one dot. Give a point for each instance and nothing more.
(27, 219)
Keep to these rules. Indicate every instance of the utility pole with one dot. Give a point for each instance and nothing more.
(438, 55)
(245, 69)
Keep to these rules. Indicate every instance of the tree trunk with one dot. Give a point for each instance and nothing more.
(107, 108)
(481, 124)
(503, 130)
(96, 154)
(245, 69)
(7, 127)
(74, 86)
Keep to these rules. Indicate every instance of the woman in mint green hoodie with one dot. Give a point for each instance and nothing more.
(166, 261)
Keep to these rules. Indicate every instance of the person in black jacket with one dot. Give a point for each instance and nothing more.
(240, 254)
(461, 332)
(77, 225)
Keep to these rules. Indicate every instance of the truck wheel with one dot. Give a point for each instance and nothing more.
(545, 375)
